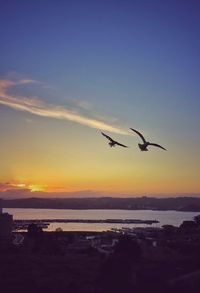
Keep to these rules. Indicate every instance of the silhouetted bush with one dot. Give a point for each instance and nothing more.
(197, 220)
(128, 248)
(34, 230)
(116, 276)
(169, 230)
(188, 226)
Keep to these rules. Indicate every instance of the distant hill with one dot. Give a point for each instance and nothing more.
(136, 203)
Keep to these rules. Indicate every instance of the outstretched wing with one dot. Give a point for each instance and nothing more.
(157, 145)
(120, 144)
(108, 137)
(142, 137)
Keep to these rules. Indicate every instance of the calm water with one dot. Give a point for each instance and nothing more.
(164, 217)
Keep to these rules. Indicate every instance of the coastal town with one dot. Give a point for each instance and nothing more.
(137, 259)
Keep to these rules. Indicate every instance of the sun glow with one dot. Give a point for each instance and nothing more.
(31, 187)
(35, 187)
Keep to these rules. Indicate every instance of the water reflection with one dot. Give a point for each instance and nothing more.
(164, 217)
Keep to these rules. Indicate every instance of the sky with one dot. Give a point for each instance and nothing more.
(71, 69)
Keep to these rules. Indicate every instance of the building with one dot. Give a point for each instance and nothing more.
(1, 206)
(6, 226)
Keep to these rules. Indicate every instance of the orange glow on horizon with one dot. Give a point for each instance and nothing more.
(116, 188)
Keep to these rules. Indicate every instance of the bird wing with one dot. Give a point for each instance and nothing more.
(108, 137)
(142, 137)
(157, 145)
(120, 144)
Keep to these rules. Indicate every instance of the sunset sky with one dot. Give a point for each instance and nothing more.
(70, 69)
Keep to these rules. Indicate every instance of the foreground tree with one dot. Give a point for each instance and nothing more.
(128, 248)
(197, 220)
(117, 274)
(34, 230)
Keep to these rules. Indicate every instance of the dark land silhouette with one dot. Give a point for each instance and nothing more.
(134, 203)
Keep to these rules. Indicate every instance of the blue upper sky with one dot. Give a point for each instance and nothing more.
(105, 50)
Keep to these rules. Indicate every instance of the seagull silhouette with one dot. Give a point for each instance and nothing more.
(145, 144)
(113, 143)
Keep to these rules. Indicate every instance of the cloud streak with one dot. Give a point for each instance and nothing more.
(7, 186)
(40, 108)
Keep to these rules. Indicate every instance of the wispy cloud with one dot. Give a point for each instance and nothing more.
(6, 83)
(11, 186)
(21, 187)
(38, 107)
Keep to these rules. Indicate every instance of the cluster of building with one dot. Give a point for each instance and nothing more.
(6, 226)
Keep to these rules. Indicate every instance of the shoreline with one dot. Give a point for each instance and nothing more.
(44, 223)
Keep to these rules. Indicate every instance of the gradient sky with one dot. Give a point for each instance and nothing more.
(69, 69)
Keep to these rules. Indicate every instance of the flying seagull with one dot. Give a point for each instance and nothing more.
(145, 144)
(113, 143)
